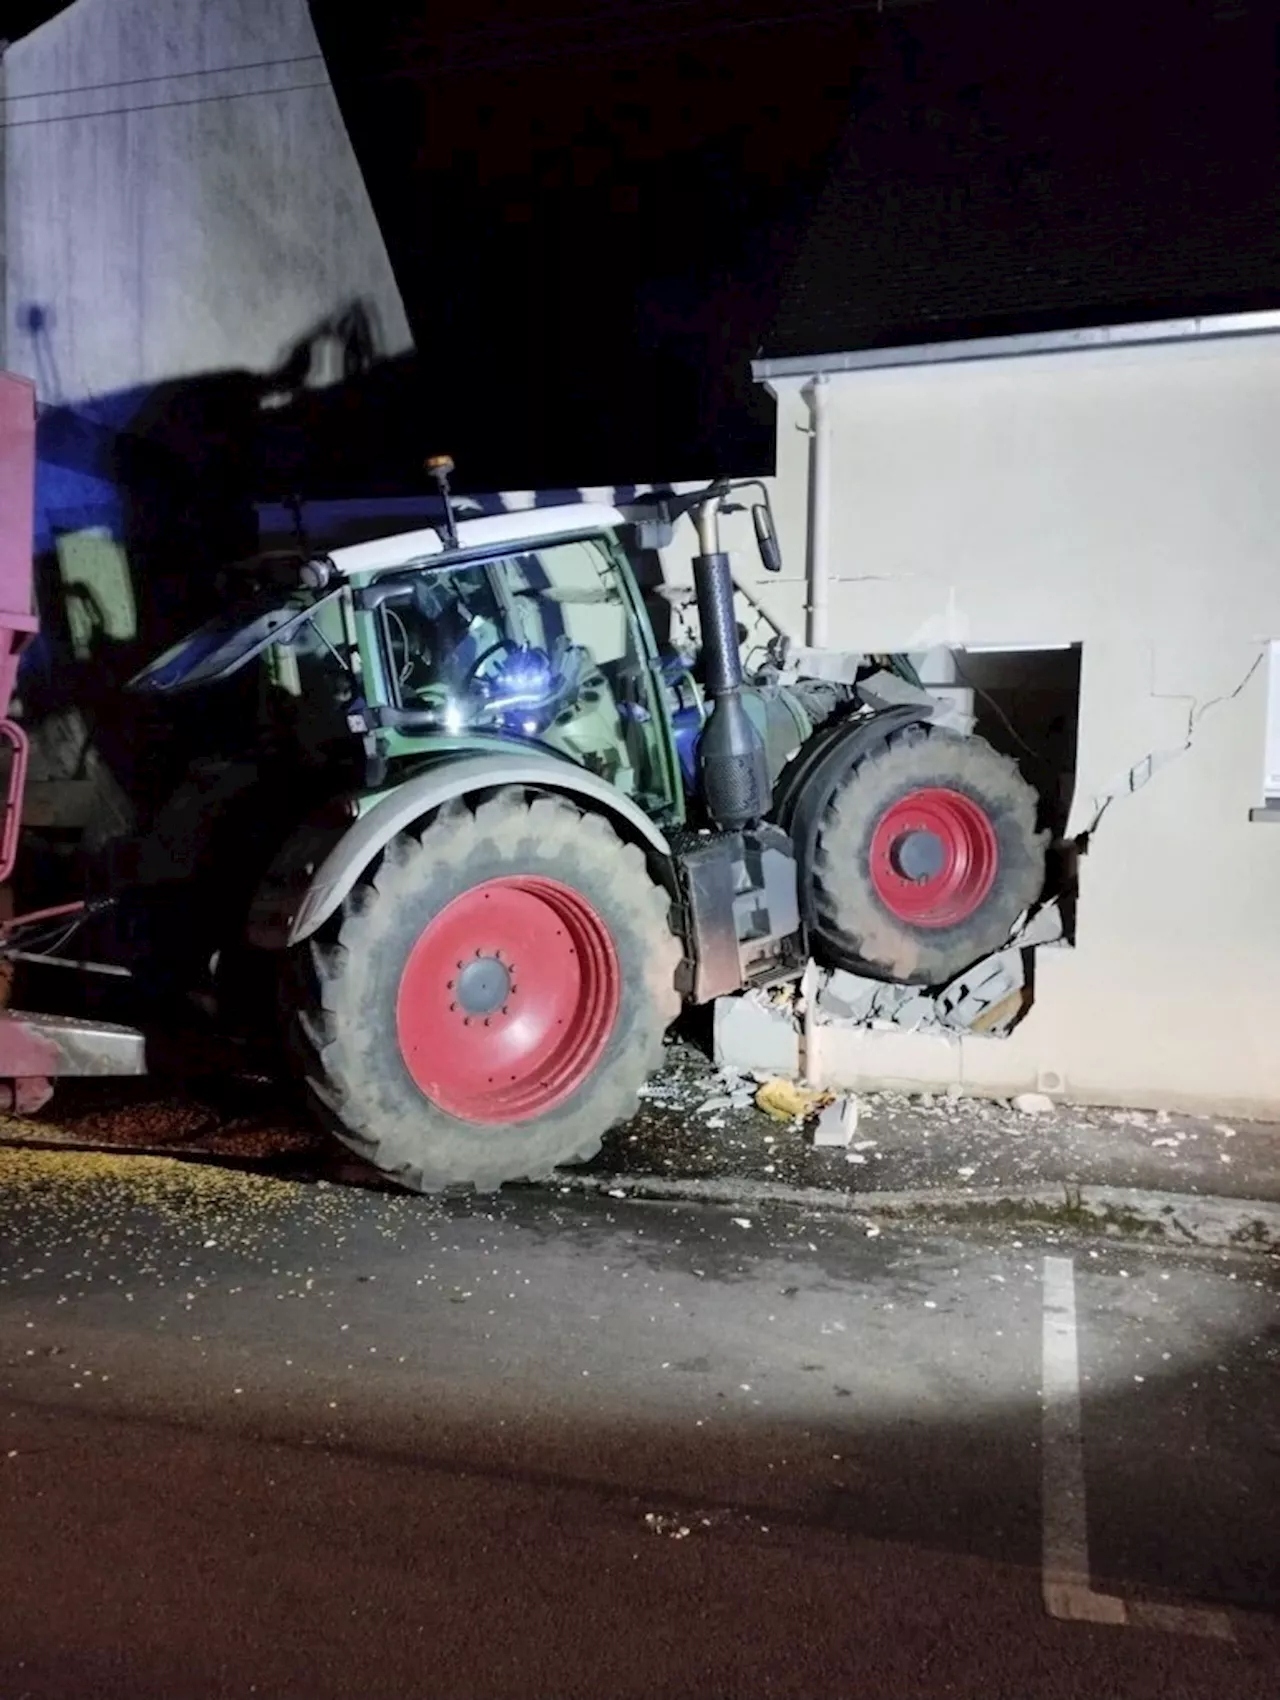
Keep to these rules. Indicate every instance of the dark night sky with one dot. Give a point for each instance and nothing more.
(589, 207)
(20, 17)
(1077, 165)
(599, 212)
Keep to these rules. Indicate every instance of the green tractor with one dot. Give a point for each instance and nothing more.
(536, 834)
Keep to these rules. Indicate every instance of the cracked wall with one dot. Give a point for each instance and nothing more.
(1125, 500)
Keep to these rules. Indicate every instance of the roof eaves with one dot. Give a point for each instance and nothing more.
(1200, 328)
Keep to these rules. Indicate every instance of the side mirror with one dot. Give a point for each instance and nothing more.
(766, 538)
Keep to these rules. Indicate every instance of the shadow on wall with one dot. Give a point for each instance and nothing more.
(141, 496)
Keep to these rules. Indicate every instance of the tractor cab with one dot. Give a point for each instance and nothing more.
(423, 652)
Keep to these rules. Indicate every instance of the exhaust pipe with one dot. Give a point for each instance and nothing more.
(731, 755)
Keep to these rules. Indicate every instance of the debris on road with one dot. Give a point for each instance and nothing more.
(671, 1527)
(926, 1143)
(838, 1122)
(1034, 1104)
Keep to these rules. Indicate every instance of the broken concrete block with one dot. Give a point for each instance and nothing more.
(916, 1013)
(839, 666)
(1034, 1104)
(838, 1122)
(847, 997)
(755, 1037)
(1041, 926)
(977, 999)
(739, 1087)
(997, 1020)
(953, 707)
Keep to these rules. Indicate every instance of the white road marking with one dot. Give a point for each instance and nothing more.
(1065, 1583)
(1065, 1536)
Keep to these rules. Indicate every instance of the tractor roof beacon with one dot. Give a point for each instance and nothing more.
(536, 831)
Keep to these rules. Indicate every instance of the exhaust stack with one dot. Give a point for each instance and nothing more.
(731, 755)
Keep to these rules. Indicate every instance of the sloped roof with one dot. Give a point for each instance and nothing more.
(1048, 176)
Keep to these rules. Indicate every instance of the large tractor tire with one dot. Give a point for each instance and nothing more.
(926, 856)
(491, 999)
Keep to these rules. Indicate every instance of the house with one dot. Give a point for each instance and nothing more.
(1027, 372)
(1085, 520)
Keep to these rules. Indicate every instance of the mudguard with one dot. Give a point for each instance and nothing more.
(321, 863)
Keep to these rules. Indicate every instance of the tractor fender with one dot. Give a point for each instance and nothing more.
(808, 782)
(322, 862)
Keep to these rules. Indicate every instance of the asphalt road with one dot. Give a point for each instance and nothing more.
(284, 1440)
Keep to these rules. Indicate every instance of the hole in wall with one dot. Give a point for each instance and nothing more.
(1025, 702)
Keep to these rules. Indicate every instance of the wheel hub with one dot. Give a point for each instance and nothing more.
(934, 857)
(507, 999)
(919, 855)
(483, 985)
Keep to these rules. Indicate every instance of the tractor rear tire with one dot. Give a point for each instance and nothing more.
(491, 998)
(926, 856)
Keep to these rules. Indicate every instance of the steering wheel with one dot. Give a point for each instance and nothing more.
(504, 646)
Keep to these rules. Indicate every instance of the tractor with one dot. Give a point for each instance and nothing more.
(495, 836)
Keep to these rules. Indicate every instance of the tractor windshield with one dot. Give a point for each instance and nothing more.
(543, 645)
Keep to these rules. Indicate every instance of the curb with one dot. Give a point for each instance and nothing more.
(1175, 1218)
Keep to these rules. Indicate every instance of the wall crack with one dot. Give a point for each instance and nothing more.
(1147, 766)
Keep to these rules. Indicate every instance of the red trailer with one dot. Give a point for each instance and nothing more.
(34, 1049)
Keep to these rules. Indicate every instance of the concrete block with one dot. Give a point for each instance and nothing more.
(752, 1035)
(838, 1122)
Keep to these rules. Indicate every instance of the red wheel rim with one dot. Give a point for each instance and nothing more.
(508, 999)
(933, 858)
